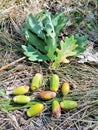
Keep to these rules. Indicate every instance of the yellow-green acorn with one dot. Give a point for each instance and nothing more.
(65, 88)
(56, 109)
(20, 90)
(35, 109)
(46, 95)
(68, 104)
(21, 99)
(54, 83)
(36, 81)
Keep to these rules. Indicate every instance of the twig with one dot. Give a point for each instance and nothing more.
(11, 64)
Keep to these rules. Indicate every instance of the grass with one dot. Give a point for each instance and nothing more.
(82, 77)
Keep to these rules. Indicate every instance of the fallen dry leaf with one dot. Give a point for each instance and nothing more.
(89, 56)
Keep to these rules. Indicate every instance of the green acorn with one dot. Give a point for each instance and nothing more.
(21, 99)
(20, 90)
(65, 88)
(46, 95)
(36, 81)
(54, 83)
(56, 109)
(68, 104)
(35, 109)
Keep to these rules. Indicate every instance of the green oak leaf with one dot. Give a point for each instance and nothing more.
(59, 21)
(67, 48)
(82, 42)
(34, 26)
(33, 54)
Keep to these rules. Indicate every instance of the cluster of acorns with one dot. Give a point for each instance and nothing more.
(44, 95)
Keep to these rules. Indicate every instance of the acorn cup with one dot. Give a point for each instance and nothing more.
(46, 95)
(20, 90)
(65, 88)
(36, 81)
(68, 104)
(56, 109)
(54, 83)
(21, 99)
(35, 109)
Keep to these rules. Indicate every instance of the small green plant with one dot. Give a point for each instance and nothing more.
(42, 33)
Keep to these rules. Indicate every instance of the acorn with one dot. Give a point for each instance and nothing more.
(35, 109)
(36, 81)
(46, 95)
(54, 83)
(20, 90)
(21, 99)
(68, 104)
(65, 88)
(56, 109)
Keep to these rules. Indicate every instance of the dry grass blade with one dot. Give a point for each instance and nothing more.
(11, 64)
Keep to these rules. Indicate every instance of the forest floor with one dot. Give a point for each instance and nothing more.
(82, 77)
